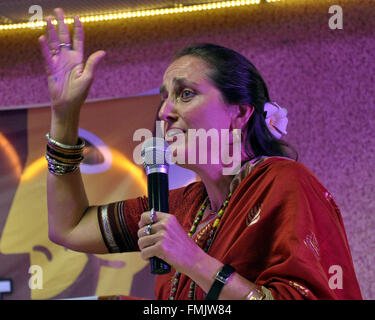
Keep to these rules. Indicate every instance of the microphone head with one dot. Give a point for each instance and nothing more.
(156, 155)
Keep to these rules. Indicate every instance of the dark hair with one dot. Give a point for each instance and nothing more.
(241, 83)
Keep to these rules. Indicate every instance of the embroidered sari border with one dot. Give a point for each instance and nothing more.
(105, 228)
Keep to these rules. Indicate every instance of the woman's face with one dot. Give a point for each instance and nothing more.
(191, 101)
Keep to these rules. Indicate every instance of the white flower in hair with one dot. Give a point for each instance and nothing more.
(276, 119)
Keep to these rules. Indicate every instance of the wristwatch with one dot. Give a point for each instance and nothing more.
(221, 279)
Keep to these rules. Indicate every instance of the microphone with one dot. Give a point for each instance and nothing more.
(156, 157)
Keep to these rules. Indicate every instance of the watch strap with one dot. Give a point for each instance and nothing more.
(221, 279)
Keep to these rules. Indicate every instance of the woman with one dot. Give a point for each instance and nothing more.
(270, 232)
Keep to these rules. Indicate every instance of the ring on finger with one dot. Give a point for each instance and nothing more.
(65, 45)
(152, 215)
(148, 229)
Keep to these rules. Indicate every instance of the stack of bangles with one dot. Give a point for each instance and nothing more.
(63, 158)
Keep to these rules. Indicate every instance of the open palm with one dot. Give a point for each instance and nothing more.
(69, 79)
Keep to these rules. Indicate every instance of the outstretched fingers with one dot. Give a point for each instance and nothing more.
(46, 52)
(62, 28)
(92, 62)
(52, 39)
(78, 37)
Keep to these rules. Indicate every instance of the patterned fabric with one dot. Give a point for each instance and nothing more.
(106, 229)
(112, 222)
(112, 219)
(280, 231)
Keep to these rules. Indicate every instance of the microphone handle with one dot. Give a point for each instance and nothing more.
(158, 194)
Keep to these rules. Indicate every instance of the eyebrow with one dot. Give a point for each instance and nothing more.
(179, 81)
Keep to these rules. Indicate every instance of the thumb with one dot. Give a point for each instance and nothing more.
(92, 62)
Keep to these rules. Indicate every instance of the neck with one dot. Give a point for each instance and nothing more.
(216, 184)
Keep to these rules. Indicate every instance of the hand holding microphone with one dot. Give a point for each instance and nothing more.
(161, 234)
(156, 158)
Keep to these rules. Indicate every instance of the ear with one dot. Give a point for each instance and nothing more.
(240, 115)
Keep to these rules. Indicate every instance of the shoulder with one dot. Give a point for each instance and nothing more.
(280, 168)
(288, 179)
(283, 175)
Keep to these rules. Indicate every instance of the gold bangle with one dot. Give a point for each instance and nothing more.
(79, 146)
(65, 160)
(255, 294)
(65, 151)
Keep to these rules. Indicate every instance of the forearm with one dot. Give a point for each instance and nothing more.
(67, 202)
(66, 196)
(64, 127)
(169, 242)
(204, 272)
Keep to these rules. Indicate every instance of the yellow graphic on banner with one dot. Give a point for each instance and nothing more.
(26, 228)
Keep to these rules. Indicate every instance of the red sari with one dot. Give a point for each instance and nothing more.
(281, 230)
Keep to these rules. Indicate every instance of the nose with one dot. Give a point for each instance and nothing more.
(167, 111)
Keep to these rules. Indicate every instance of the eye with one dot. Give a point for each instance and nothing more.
(186, 94)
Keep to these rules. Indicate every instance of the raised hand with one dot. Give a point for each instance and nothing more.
(69, 78)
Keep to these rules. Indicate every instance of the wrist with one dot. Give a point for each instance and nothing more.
(65, 128)
(204, 270)
(73, 113)
(221, 279)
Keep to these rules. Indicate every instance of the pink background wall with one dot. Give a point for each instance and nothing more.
(324, 77)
